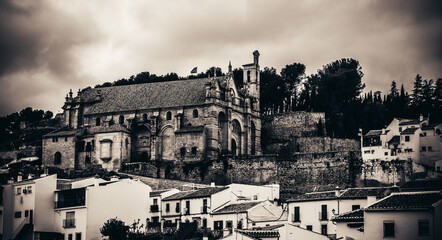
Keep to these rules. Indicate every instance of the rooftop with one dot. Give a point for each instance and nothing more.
(374, 133)
(236, 207)
(379, 192)
(258, 234)
(353, 216)
(410, 130)
(430, 126)
(407, 201)
(410, 122)
(61, 132)
(153, 95)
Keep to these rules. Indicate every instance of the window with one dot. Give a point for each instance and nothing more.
(388, 229)
(57, 158)
(407, 138)
(195, 113)
(177, 207)
(65, 139)
(183, 151)
(97, 121)
(367, 151)
(309, 227)
(78, 236)
(204, 223)
(355, 207)
(155, 201)
(400, 129)
(18, 191)
(386, 153)
(217, 225)
(372, 151)
(121, 120)
(168, 116)
(26, 213)
(187, 207)
(194, 150)
(106, 149)
(167, 207)
(17, 214)
(145, 117)
(70, 236)
(424, 149)
(248, 76)
(55, 139)
(204, 210)
(424, 227)
(296, 215)
(323, 215)
(29, 189)
(324, 229)
(430, 148)
(88, 147)
(69, 222)
(111, 122)
(80, 146)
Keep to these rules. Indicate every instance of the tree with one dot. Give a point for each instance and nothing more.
(115, 229)
(272, 91)
(292, 75)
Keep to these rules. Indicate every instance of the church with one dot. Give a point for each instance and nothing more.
(182, 120)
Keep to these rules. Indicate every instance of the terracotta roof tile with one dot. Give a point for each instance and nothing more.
(353, 216)
(379, 192)
(259, 233)
(410, 200)
(236, 207)
(411, 130)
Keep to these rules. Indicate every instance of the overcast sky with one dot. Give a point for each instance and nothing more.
(49, 47)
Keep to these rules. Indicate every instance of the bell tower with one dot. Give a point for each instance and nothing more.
(252, 79)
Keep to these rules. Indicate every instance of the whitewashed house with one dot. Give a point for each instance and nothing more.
(156, 210)
(409, 215)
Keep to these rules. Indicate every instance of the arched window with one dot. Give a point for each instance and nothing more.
(97, 121)
(57, 158)
(121, 120)
(145, 117)
(169, 116)
(236, 127)
(195, 113)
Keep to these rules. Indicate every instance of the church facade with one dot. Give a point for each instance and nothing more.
(183, 120)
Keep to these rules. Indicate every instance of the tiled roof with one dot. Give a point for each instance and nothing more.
(146, 96)
(411, 200)
(395, 140)
(157, 193)
(273, 227)
(63, 132)
(430, 126)
(356, 215)
(259, 233)
(204, 192)
(379, 192)
(329, 195)
(374, 133)
(411, 130)
(178, 196)
(410, 122)
(236, 207)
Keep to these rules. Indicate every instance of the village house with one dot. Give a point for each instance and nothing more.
(188, 120)
(315, 211)
(405, 139)
(408, 215)
(156, 210)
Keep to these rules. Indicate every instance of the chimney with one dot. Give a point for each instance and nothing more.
(96, 181)
(421, 118)
(19, 177)
(383, 131)
(337, 191)
(212, 184)
(30, 176)
(256, 57)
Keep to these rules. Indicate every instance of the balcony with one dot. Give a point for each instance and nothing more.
(70, 203)
(154, 208)
(69, 223)
(323, 216)
(167, 224)
(153, 225)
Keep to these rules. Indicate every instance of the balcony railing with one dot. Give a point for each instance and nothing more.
(70, 203)
(154, 208)
(69, 223)
(323, 216)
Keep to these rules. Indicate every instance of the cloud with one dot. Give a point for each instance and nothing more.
(51, 46)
